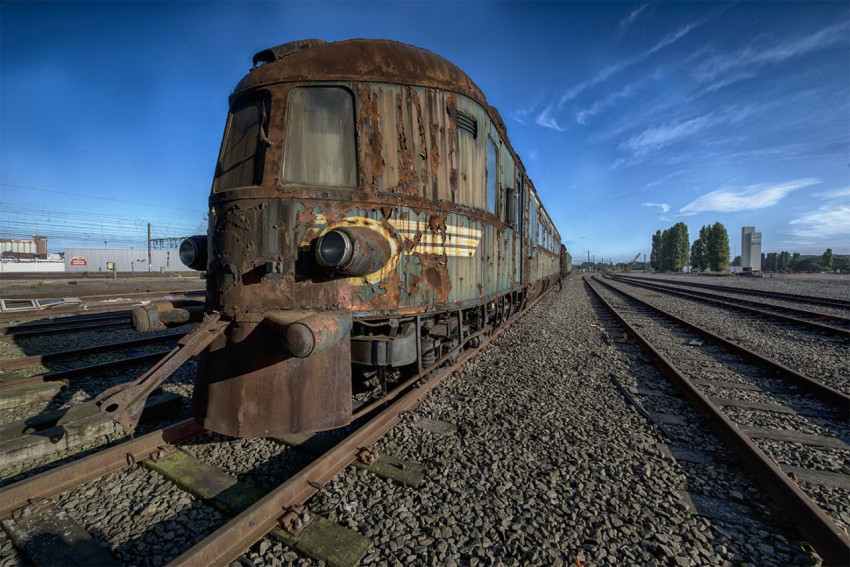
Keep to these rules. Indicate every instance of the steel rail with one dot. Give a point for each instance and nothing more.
(828, 302)
(744, 305)
(26, 361)
(25, 333)
(823, 533)
(83, 372)
(61, 479)
(232, 539)
(65, 320)
(835, 398)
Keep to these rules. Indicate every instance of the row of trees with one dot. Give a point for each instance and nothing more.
(670, 251)
(797, 262)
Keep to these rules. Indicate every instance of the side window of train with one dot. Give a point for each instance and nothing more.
(492, 175)
(244, 150)
(320, 145)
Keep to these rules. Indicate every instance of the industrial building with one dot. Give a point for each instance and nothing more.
(98, 260)
(750, 249)
(24, 249)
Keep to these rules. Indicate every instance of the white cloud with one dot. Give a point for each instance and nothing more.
(610, 100)
(751, 198)
(655, 138)
(546, 120)
(724, 69)
(828, 221)
(664, 206)
(835, 194)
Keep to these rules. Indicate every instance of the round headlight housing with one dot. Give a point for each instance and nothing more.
(193, 252)
(334, 249)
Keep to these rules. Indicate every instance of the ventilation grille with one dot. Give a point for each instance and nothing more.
(468, 123)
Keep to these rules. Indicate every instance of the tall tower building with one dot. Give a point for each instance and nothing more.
(750, 249)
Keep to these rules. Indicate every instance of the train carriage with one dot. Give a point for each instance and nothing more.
(368, 218)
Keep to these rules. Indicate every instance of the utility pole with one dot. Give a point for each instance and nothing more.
(150, 263)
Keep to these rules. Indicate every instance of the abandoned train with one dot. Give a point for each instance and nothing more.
(368, 219)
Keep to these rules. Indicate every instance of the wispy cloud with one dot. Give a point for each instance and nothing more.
(611, 70)
(627, 22)
(725, 68)
(834, 194)
(546, 119)
(658, 137)
(653, 139)
(665, 178)
(610, 100)
(748, 199)
(828, 221)
(664, 206)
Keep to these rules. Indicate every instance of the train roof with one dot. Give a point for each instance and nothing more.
(374, 60)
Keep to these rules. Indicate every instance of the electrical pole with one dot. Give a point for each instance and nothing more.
(150, 263)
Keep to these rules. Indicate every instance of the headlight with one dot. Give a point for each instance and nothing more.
(353, 251)
(333, 249)
(193, 252)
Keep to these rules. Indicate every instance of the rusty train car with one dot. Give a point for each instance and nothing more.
(369, 219)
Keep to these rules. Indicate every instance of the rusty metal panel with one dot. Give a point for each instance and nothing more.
(247, 386)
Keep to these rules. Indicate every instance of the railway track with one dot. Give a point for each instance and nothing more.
(254, 512)
(790, 430)
(830, 302)
(68, 324)
(838, 325)
(31, 307)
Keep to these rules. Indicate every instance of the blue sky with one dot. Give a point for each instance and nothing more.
(629, 116)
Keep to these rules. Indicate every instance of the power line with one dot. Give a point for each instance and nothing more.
(99, 197)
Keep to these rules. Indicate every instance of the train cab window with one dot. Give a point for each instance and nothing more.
(320, 146)
(492, 175)
(244, 149)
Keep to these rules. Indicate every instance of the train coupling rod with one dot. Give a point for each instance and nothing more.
(124, 403)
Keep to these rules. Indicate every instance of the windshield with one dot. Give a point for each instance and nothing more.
(320, 141)
(243, 156)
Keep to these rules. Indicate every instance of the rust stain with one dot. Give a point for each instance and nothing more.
(369, 127)
(435, 273)
(305, 219)
(451, 109)
(437, 224)
(406, 169)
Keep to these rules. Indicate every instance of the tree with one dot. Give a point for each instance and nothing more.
(784, 260)
(655, 255)
(736, 261)
(670, 248)
(698, 255)
(717, 247)
(771, 261)
(679, 241)
(795, 259)
(826, 259)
